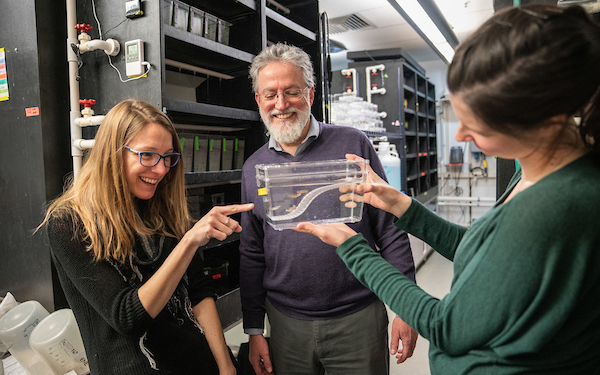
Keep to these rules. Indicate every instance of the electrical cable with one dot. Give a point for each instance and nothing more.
(457, 189)
(75, 49)
(147, 64)
(482, 167)
(96, 17)
(119, 24)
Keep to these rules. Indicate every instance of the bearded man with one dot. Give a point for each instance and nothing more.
(323, 320)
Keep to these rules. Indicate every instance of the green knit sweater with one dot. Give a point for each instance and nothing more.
(525, 297)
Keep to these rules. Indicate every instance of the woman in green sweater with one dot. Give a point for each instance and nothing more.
(525, 293)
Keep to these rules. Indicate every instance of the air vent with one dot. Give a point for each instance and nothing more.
(347, 23)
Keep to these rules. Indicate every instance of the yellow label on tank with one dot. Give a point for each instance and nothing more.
(262, 191)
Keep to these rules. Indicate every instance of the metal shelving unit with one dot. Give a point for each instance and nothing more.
(409, 102)
(419, 119)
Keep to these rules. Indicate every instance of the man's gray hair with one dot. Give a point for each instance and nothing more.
(283, 53)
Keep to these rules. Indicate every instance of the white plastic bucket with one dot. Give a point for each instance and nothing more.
(16, 327)
(58, 340)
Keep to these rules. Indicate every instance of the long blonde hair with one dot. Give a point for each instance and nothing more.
(103, 209)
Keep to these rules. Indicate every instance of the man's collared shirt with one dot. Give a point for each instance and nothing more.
(313, 133)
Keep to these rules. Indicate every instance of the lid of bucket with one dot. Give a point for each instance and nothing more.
(53, 326)
(25, 313)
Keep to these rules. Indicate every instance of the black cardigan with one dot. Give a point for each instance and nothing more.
(118, 334)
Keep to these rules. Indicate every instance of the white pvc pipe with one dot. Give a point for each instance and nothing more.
(368, 71)
(376, 67)
(110, 46)
(89, 121)
(75, 113)
(456, 199)
(351, 72)
(475, 204)
(84, 144)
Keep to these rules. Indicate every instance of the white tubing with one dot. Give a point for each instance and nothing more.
(352, 72)
(470, 199)
(73, 87)
(84, 144)
(370, 91)
(110, 46)
(472, 204)
(89, 121)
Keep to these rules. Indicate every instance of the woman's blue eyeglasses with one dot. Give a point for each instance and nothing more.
(150, 158)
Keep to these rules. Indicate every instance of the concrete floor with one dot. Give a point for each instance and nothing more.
(434, 276)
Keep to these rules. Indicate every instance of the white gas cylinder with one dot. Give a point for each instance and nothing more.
(391, 163)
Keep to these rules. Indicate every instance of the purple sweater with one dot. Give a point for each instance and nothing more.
(302, 276)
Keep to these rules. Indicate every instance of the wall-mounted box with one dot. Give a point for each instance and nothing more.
(311, 191)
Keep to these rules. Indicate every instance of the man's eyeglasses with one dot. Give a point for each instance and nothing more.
(291, 95)
(151, 158)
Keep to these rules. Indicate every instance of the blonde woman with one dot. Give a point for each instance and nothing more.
(125, 251)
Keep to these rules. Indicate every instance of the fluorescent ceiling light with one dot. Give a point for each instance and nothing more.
(424, 25)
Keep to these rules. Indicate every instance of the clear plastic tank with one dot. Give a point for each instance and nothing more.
(310, 192)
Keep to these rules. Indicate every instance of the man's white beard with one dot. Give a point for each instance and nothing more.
(289, 131)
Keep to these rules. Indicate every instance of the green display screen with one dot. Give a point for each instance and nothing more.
(132, 52)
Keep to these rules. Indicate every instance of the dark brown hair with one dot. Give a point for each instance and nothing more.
(528, 64)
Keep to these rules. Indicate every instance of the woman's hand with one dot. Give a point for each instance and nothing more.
(229, 370)
(217, 223)
(332, 234)
(377, 193)
(156, 292)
